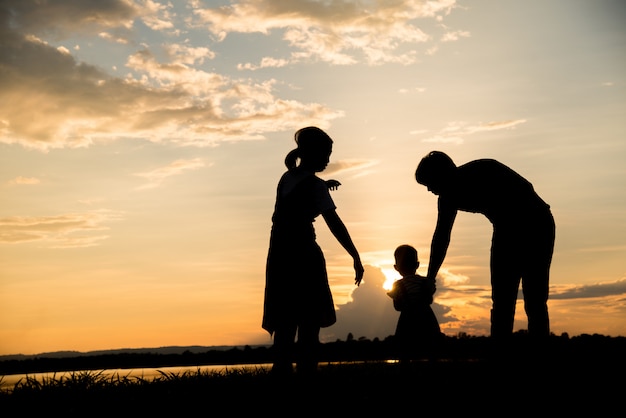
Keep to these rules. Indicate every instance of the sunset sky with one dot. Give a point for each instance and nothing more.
(141, 142)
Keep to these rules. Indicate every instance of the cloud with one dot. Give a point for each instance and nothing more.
(459, 306)
(58, 18)
(349, 165)
(111, 19)
(187, 55)
(109, 37)
(455, 132)
(156, 176)
(370, 313)
(19, 180)
(596, 290)
(464, 308)
(603, 249)
(468, 307)
(494, 126)
(448, 278)
(50, 100)
(61, 231)
(340, 33)
(267, 62)
(156, 16)
(454, 36)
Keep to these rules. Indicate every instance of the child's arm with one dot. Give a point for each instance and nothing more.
(397, 295)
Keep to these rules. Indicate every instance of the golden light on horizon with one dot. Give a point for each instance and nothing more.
(139, 215)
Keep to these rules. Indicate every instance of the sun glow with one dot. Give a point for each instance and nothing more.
(391, 275)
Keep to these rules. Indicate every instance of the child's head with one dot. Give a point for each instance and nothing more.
(406, 260)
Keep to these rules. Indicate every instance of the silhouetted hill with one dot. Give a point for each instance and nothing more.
(158, 350)
(583, 349)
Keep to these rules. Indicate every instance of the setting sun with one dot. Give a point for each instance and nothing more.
(391, 275)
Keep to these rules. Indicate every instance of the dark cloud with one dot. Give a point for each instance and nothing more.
(48, 91)
(597, 290)
(50, 100)
(58, 17)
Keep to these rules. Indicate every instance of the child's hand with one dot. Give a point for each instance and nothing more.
(332, 184)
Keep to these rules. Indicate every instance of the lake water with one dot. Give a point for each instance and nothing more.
(9, 381)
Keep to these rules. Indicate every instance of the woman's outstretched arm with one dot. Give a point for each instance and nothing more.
(339, 230)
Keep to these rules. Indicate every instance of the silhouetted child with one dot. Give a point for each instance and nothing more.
(417, 331)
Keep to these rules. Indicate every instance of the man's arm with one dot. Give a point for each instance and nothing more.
(441, 239)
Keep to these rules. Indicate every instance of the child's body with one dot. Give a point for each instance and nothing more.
(418, 329)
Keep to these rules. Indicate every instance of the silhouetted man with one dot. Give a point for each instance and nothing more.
(523, 233)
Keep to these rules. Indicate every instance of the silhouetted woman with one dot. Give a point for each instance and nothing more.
(298, 299)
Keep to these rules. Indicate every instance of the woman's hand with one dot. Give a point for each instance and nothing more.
(358, 269)
(332, 184)
(339, 230)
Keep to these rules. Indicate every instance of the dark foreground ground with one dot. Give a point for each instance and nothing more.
(568, 377)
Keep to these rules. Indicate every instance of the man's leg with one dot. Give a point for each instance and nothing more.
(536, 304)
(536, 278)
(505, 279)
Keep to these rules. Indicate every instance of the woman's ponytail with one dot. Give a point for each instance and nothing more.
(311, 141)
(292, 158)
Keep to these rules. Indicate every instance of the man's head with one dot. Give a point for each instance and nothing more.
(435, 170)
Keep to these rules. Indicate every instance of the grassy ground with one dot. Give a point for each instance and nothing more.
(492, 387)
(562, 376)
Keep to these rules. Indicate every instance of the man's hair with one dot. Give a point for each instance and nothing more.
(436, 166)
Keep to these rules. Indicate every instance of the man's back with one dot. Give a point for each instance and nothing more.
(489, 187)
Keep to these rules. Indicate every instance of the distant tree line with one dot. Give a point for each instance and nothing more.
(462, 347)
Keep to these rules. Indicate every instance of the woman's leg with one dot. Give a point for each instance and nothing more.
(308, 348)
(284, 347)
